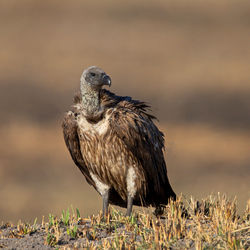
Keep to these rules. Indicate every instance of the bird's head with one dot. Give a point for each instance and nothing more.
(95, 78)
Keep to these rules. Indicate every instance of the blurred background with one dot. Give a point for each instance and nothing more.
(189, 59)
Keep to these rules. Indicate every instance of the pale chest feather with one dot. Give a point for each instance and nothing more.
(99, 128)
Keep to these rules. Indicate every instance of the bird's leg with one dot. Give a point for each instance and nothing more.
(105, 203)
(129, 205)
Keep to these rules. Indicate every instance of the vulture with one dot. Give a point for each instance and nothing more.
(116, 145)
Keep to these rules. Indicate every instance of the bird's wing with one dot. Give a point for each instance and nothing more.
(134, 126)
(71, 138)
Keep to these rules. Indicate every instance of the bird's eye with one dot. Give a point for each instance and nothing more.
(92, 74)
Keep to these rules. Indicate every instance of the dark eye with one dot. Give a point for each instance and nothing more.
(92, 74)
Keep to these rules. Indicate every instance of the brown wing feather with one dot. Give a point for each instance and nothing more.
(131, 123)
(72, 141)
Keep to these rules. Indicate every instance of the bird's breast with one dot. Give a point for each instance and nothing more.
(99, 128)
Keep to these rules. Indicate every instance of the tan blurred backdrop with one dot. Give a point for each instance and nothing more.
(189, 59)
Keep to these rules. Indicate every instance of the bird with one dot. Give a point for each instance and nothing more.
(115, 143)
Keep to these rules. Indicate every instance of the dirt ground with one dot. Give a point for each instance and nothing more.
(211, 223)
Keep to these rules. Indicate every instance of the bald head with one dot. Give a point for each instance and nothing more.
(95, 78)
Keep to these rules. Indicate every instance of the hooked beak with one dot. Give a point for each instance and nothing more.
(106, 80)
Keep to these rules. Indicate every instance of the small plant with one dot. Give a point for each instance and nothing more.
(65, 217)
(26, 228)
(72, 232)
(133, 220)
(51, 239)
(78, 214)
(51, 220)
(35, 223)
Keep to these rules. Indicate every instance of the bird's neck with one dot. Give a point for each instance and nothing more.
(90, 99)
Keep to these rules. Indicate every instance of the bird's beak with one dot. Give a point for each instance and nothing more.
(106, 80)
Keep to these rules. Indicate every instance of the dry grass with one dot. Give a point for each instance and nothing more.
(212, 223)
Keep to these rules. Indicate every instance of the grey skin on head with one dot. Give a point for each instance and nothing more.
(116, 145)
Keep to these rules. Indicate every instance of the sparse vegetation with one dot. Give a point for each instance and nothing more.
(207, 224)
(65, 217)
